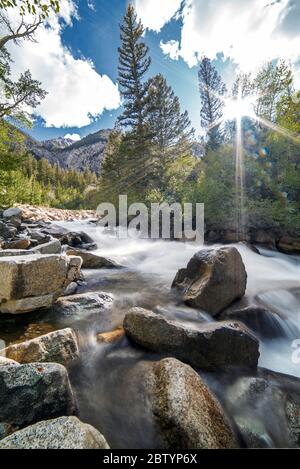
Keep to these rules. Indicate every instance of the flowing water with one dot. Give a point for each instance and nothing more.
(107, 380)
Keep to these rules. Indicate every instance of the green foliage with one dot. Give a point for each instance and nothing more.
(23, 179)
(212, 90)
(34, 7)
(133, 65)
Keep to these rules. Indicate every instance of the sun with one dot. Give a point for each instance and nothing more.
(237, 108)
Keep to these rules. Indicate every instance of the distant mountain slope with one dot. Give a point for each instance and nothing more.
(83, 154)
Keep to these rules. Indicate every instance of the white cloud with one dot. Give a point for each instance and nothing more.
(247, 31)
(74, 137)
(170, 48)
(76, 92)
(91, 5)
(156, 13)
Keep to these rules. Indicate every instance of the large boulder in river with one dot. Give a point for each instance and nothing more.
(58, 347)
(60, 433)
(208, 346)
(35, 281)
(213, 279)
(266, 409)
(33, 392)
(187, 414)
(263, 322)
(92, 261)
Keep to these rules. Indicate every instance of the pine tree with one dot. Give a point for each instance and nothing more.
(170, 130)
(212, 90)
(133, 64)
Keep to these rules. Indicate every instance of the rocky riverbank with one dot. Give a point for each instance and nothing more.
(41, 273)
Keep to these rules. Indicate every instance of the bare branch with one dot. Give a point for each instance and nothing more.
(23, 31)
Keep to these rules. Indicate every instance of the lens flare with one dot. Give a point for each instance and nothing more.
(238, 108)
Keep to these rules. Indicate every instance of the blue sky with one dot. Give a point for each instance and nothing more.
(76, 57)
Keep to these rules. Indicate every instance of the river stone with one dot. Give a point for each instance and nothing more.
(267, 324)
(187, 414)
(28, 277)
(84, 302)
(266, 409)
(213, 279)
(60, 433)
(289, 245)
(111, 337)
(57, 347)
(32, 392)
(20, 244)
(92, 261)
(14, 252)
(26, 305)
(52, 247)
(7, 232)
(208, 346)
(13, 212)
(71, 289)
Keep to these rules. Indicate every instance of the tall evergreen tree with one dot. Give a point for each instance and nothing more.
(133, 64)
(212, 90)
(169, 128)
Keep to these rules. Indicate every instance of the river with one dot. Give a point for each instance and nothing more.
(107, 378)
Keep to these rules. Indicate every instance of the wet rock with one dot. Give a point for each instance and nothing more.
(186, 413)
(71, 289)
(13, 212)
(13, 216)
(14, 252)
(29, 393)
(6, 231)
(209, 346)
(26, 305)
(212, 237)
(266, 408)
(56, 347)
(60, 433)
(31, 282)
(289, 245)
(39, 237)
(36, 330)
(6, 430)
(56, 231)
(20, 244)
(267, 324)
(92, 261)
(112, 336)
(89, 246)
(4, 361)
(264, 237)
(212, 280)
(52, 247)
(84, 303)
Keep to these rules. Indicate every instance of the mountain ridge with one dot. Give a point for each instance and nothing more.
(86, 153)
